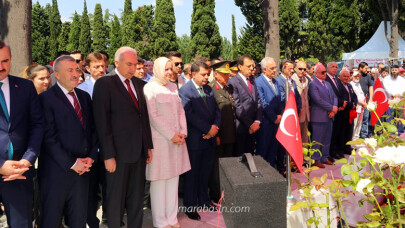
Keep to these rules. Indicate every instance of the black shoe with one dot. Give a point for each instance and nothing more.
(210, 207)
(331, 159)
(338, 156)
(193, 215)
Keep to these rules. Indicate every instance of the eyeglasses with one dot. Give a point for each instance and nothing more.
(78, 60)
(179, 64)
(302, 69)
(323, 72)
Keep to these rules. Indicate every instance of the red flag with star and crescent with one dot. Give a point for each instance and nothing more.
(381, 100)
(289, 133)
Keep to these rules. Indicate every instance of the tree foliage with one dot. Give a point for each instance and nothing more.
(85, 34)
(74, 33)
(126, 23)
(226, 52)
(39, 34)
(55, 26)
(163, 32)
(99, 36)
(234, 40)
(63, 38)
(115, 37)
(185, 48)
(142, 21)
(205, 37)
(289, 23)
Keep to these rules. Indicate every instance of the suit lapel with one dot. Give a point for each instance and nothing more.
(138, 88)
(124, 91)
(62, 97)
(244, 85)
(13, 95)
(83, 106)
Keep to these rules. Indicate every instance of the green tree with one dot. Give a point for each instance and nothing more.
(115, 37)
(63, 38)
(142, 22)
(226, 52)
(163, 30)
(289, 22)
(74, 33)
(234, 40)
(185, 48)
(251, 41)
(107, 26)
(205, 37)
(39, 34)
(55, 26)
(127, 26)
(85, 35)
(99, 36)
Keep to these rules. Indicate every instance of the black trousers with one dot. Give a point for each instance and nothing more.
(214, 185)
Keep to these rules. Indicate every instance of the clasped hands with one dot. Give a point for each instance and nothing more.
(12, 170)
(82, 165)
(333, 112)
(255, 127)
(178, 139)
(213, 131)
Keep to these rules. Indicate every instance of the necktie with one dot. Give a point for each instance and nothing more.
(272, 86)
(249, 85)
(4, 107)
(202, 95)
(347, 88)
(131, 93)
(77, 107)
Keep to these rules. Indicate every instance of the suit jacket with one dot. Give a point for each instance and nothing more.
(226, 104)
(322, 100)
(87, 86)
(200, 116)
(271, 101)
(25, 129)
(123, 130)
(66, 139)
(352, 102)
(281, 83)
(338, 90)
(248, 105)
(304, 114)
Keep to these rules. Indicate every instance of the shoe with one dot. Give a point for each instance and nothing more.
(210, 207)
(319, 165)
(338, 156)
(327, 162)
(193, 216)
(331, 159)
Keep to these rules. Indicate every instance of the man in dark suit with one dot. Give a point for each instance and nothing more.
(267, 144)
(337, 120)
(21, 132)
(203, 121)
(69, 147)
(323, 109)
(346, 128)
(123, 128)
(248, 106)
(227, 131)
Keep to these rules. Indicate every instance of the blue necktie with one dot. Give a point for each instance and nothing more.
(4, 107)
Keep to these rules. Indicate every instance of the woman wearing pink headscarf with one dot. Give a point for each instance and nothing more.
(170, 156)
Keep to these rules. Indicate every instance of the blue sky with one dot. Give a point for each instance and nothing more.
(183, 9)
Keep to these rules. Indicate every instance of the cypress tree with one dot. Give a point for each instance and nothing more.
(163, 32)
(185, 48)
(63, 38)
(226, 51)
(107, 27)
(142, 22)
(55, 26)
(127, 26)
(40, 34)
(205, 37)
(98, 29)
(115, 37)
(234, 40)
(289, 22)
(85, 36)
(74, 33)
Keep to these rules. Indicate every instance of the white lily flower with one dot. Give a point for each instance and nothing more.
(371, 142)
(362, 184)
(363, 152)
(392, 156)
(371, 106)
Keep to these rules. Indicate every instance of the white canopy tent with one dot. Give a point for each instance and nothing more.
(376, 49)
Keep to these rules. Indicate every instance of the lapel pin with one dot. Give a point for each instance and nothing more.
(16, 86)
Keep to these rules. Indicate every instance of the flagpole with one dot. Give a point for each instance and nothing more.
(290, 198)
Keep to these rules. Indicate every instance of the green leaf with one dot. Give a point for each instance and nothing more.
(323, 205)
(310, 221)
(299, 205)
(373, 224)
(374, 216)
(387, 211)
(346, 183)
(392, 129)
(363, 162)
(355, 177)
(345, 169)
(355, 142)
(342, 160)
(323, 178)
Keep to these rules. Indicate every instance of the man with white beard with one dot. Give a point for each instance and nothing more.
(394, 85)
(361, 104)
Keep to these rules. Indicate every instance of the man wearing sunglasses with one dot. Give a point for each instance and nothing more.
(302, 80)
(323, 109)
(175, 57)
(79, 58)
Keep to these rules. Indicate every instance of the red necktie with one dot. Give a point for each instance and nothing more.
(132, 93)
(249, 85)
(77, 107)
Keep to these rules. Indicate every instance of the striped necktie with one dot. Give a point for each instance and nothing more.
(77, 107)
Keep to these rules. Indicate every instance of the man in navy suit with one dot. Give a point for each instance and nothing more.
(21, 132)
(247, 104)
(323, 109)
(69, 147)
(267, 144)
(203, 121)
(287, 70)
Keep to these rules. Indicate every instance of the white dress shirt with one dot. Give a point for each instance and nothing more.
(122, 78)
(394, 86)
(69, 97)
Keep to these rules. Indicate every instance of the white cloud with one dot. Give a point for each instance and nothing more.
(64, 19)
(178, 2)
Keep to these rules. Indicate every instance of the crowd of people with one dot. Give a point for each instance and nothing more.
(144, 129)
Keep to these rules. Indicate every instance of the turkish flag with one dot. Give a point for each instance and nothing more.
(289, 133)
(380, 98)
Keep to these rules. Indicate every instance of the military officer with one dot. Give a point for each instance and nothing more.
(227, 131)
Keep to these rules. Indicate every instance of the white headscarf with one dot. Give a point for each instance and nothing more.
(159, 67)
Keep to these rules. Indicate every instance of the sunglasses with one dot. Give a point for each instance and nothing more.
(302, 69)
(178, 64)
(323, 72)
(78, 60)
